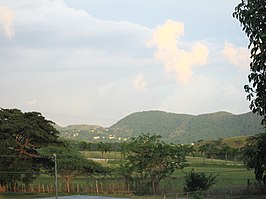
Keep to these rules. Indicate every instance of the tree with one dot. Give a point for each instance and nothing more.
(21, 136)
(209, 149)
(71, 163)
(252, 16)
(199, 181)
(151, 160)
(84, 146)
(104, 147)
(225, 151)
(255, 155)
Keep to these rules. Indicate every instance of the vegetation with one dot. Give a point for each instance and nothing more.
(176, 128)
(71, 163)
(218, 149)
(199, 181)
(149, 160)
(144, 165)
(28, 142)
(255, 156)
(21, 136)
(82, 132)
(251, 14)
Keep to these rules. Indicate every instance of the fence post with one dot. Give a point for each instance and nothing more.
(96, 185)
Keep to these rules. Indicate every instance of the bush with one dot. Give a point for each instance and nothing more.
(199, 181)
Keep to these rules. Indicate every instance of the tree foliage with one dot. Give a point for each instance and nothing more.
(199, 181)
(255, 155)
(71, 163)
(252, 16)
(150, 160)
(218, 149)
(21, 136)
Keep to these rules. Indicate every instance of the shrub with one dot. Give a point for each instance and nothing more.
(199, 181)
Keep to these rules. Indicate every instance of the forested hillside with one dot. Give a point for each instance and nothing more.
(175, 128)
(180, 128)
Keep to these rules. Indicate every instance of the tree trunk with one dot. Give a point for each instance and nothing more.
(68, 183)
(153, 188)
(155, 185)
(226, 158)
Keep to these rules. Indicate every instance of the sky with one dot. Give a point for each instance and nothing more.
(97, 61)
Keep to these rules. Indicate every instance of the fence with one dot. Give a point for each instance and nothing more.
(169, 188)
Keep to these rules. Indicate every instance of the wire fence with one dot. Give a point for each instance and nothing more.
(168, 188)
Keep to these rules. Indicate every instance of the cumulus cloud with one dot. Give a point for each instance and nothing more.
(166, 39)
(6, 19)
(139, 83)
(238, 56)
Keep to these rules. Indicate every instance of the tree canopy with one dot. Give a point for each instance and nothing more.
(150, 160)
(252, 16)
(71, 163)
(255, 155)
(21, 136)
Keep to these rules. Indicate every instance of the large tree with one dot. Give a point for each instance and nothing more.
(252, 16)
(71, 163)
(149, 160)
(21, 136)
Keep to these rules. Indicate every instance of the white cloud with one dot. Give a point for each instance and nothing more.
(6, 19)
(139, 83)
(166, 38)
(73, 39)
(238, 56)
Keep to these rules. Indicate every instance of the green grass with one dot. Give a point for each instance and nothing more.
(226, 170)
(230, 174)
(99, 155)
(206, 161)
(191, 160)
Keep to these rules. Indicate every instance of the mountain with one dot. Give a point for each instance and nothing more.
(174, 128)
(182, 128)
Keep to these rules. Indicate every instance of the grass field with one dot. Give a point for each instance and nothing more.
(228, 171)
(231, 175)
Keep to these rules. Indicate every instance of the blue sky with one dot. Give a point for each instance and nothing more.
(96, 61)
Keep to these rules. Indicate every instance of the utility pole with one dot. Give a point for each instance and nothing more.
(55, 171)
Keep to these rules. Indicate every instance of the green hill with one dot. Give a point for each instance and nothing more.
(182, 128)
(175, 128)
(82, 132)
